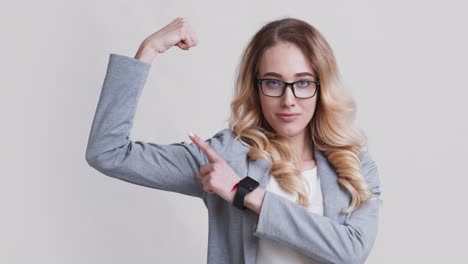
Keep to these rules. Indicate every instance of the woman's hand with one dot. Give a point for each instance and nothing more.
(177, 33)
(217, 176)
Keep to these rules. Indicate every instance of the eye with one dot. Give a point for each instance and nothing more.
(303, 83)
(272, 83)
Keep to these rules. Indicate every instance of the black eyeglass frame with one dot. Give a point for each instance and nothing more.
(286, 86)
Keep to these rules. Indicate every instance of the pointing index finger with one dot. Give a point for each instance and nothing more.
(205, 148)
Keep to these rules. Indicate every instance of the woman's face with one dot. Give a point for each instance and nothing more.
(285, 62)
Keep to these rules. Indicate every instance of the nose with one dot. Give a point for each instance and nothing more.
(288, 99)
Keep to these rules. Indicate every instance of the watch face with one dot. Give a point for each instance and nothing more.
(249, 183)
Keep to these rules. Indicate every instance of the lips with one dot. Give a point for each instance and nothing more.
(288, 114)
(287, 117)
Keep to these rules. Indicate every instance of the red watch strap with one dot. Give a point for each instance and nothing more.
(235, 186)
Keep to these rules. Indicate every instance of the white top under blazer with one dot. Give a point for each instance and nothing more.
(270, 251)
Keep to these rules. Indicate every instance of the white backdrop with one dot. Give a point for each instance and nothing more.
(404, 62)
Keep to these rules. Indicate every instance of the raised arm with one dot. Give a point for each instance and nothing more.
(171, 167)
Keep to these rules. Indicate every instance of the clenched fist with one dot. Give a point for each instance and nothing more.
(177, 33)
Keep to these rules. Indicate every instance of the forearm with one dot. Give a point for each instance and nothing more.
(317, 236)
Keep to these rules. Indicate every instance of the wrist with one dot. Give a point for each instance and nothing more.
(146, 54)
(245, 188)
(254, 200)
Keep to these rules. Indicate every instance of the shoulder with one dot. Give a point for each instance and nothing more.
(369, 170)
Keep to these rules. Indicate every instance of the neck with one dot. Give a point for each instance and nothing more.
(302, 144)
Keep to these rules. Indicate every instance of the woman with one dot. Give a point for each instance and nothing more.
(288, 182)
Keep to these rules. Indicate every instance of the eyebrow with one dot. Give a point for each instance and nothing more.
(300, 74)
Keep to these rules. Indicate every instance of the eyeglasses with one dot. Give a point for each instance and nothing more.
(302, 89)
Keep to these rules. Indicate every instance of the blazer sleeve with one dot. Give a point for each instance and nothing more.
(170, 167)
(318, 236)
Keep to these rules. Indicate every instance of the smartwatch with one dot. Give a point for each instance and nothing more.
(246, 185)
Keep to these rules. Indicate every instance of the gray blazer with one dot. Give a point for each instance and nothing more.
(233, 233)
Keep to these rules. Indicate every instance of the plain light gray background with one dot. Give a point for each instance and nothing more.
(403, 61)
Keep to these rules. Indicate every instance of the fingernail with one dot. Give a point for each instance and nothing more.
(191, 134)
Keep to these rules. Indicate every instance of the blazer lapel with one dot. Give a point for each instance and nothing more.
(327, 182)
(335, 197)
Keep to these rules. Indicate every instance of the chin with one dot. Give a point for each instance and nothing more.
(289, 132)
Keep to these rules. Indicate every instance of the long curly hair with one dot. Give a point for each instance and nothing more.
(332, 128)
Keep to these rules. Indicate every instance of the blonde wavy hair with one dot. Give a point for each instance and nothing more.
(332, 128)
